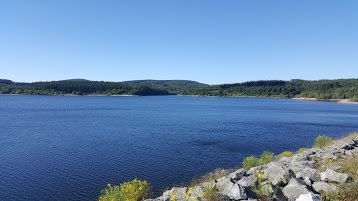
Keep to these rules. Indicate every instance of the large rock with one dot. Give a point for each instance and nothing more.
(248, 181)
(233, 190)
(310, 173)
(166, 196)
(238, 174)
(321, 186)
(276, 174)
(294, 189)
(332, 176)
(223, 197)
(309, 197)
(178, 193)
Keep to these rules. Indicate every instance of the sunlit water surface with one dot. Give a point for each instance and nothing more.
(69, 148)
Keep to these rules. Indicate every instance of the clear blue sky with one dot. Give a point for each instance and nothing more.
(222, 41)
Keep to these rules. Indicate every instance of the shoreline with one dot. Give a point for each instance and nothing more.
(342, 101)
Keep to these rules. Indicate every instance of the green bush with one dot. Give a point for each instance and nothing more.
(286, 154)
(250, 162)
(322, 141)
(265, 157)
(135, 190)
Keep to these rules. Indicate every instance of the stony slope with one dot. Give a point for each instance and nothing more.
(303, 177)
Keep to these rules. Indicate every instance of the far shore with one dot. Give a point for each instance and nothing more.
(344, 101)
(64, 95)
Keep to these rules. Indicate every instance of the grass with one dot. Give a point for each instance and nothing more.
(350, 166)
(253, 161)
(286, 154)
(135, 190)
(322, 141)
(250, 162)
(301, 150)
(211, 193)
(353, 136)
(265, 157)
(345, 192)
(214, 175)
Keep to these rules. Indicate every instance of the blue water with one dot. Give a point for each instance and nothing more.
(69, 148)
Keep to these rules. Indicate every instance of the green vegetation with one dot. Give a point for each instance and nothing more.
(322, 89)
(85, 87)
(322, 141)
(301, 150)
(345, 192)
(265, 157)
(135, 190)
(211, 193)
(250, 162)
(253, 161)
(353, 136)
(350, 166)
(286, 154)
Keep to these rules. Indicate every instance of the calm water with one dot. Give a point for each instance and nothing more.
(68, 148)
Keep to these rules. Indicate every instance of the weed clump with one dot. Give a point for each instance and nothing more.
(211, 193)
(301, 150)
(253, 161)
(250, 162)
(322, 141)
(286, 154)
(135, 190)
(353, 136)
(265, 157)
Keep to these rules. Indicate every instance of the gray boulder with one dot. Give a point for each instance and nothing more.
(309, 197)
(179, 193)
(223, 197)
(321, 186)
(294, 189)
(276, 174)
(310, 173)
(238, 174)
(166, 196)
(333, 176)
(233, 190)
(248, 181)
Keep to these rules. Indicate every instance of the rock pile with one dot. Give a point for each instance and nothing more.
(302, 177)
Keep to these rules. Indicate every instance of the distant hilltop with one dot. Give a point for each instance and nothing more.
(346, 89)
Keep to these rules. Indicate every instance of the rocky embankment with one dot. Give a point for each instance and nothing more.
(306, 176)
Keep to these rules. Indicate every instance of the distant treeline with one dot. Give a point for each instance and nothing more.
(321, 89)
(85, 87)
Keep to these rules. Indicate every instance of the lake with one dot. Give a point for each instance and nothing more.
(70, 147)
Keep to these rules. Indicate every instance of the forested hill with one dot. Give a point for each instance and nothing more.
(321, 89)
(86, 87)
(172, 86)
